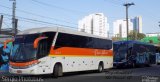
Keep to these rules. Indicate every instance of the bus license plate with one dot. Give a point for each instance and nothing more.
(19, 71)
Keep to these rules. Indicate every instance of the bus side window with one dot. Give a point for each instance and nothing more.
(42, 49)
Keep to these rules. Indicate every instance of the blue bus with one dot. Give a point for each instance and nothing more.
(133, 54)
(157, 54)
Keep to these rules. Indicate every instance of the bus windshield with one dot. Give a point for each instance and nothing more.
(23, 49)
(23, 52)
(120, 53)
(120, 50)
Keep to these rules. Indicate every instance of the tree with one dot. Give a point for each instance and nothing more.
(134, 35)
(116, 38)
(140, 36)
(151, 41)
(159, 40)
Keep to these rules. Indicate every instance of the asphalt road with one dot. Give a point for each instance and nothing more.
(143, 74)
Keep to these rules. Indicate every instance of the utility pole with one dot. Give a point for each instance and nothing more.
(136, 33)
(127, 5)
(108, 34)
(14, 17)
(16, 25)
(1, 21)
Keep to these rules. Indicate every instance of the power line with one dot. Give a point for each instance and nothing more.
(114, 3)
(34, 21)
(26, 12)
(44, 22)
(6, 24)
(27, 21)
(65, 9)
(9, 24)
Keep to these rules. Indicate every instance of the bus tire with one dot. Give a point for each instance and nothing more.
(148, 65)
(57, 71)
(100, 67)
(133, 65)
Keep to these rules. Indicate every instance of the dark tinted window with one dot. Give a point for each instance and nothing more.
(141, 48)
(42, 49)
(45, 45)
(49, 40)
(145, 50)
(26, 38)
(70, 40)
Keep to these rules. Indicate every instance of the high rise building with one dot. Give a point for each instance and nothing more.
(95, 24)
(120, 29)
(137, 24)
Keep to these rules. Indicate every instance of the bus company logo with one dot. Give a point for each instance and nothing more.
(100, 52)
(57, 52)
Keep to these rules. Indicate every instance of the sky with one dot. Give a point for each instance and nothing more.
(49, 13)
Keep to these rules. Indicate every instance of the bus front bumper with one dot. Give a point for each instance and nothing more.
(27, 71)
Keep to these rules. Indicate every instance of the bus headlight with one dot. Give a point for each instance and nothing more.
(24, 67)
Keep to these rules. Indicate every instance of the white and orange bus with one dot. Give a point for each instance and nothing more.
(59, 50)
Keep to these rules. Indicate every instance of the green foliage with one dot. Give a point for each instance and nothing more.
(134, 35)
(116, 38)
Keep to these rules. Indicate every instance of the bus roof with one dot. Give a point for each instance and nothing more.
(57, 29)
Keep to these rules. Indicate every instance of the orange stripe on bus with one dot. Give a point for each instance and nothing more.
(70, 51)
(23, 64)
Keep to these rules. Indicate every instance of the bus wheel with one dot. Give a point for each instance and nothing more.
(100, 67)
(57, 70)
(148, 65)
(133, 65)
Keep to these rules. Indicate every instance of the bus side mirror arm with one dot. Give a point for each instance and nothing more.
(36, 41)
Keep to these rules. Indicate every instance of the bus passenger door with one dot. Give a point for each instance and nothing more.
(43, 57)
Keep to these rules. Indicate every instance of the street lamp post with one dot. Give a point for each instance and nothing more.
(127, 5)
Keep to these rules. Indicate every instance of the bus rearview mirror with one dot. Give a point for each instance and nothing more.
(36, 41)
